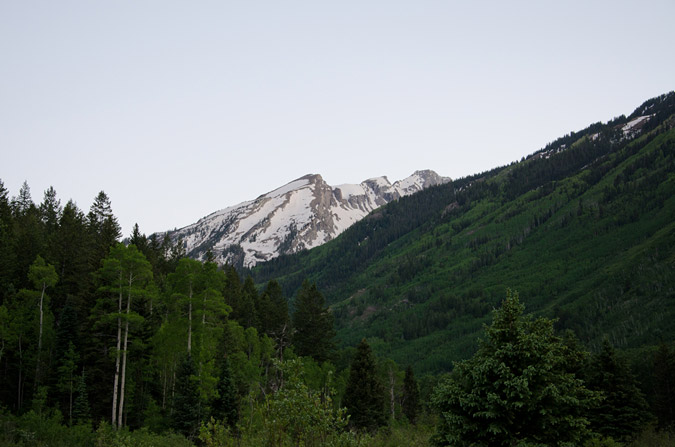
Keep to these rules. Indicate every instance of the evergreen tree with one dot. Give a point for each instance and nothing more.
(50, 211)
(7, 245)
(364, 396)
(273, 314)
(81, 412)
(103, 227)
(516, 390)
(623, 409)
(28, 233)
(664, 386)
(247, 310)
(224, 407)
(42, 275)
(69, 250)
(411, 395)
(67, 378)
(186, 413)
(313, 324)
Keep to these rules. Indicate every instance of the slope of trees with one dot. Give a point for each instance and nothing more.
(583, 229)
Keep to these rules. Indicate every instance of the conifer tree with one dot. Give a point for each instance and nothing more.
(42, 275)
(273, 315)
(664, 386)
(68, 378)
(225, 407)
(103, 227)
(364, 396)
(247, 311)
(312, 324)
(411, 395)
(186, 411)
(81, 412)
(516, 390)
(623, 409)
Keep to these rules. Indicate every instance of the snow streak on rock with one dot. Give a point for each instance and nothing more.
(302, 214)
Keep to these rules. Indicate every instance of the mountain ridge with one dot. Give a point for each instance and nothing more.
(583, 229)
(302, 214)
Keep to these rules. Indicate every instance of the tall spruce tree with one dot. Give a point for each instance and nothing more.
(312, 324)
(623, 409)
(225, 406)
(364, 396)
(81, 411)
(664, 386)
(186, 411)
(411, 395)
(516, 390)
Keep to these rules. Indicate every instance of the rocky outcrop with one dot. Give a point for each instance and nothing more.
(302, 214)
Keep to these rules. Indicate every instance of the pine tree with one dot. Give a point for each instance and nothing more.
(623, 409)
(364, 396)
(249, 297)
(103, 227)
(81, 412)
(67, 378)
(312, 324)
(411, 395)
(42, 275)
(516, 390)
(224, 407)
(664, 386)
(186, 413)
(273, 315)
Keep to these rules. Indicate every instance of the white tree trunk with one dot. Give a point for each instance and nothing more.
(39, 352)
(124, 356)
(117, 356)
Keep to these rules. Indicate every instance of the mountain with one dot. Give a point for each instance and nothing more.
(302, 214)
(583, 230)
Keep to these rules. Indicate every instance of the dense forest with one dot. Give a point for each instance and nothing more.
(403, 331)
(583, 229)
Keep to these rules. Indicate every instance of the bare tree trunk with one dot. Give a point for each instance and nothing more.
(117, 356)
(39, 352)
(124, 356)
(392, 399)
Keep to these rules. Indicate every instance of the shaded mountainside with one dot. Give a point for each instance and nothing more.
(302, 214)
(583, 229)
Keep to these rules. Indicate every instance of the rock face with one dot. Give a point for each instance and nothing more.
(302, 214)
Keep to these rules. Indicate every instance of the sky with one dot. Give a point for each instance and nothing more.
(177, 109)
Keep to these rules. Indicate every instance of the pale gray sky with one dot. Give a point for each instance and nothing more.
(176, 109)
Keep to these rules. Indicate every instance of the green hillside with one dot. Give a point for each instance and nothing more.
(583, 229)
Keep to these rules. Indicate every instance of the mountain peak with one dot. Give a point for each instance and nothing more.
(301, 214)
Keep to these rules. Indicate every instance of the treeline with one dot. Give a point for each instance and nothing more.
(137, 341)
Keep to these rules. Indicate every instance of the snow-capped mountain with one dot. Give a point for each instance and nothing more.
(302, 214)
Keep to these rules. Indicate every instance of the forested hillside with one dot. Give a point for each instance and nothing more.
(111, 343)
(584, 229)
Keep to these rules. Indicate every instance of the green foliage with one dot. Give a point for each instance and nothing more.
(187, 406)
(225, 407)
(293, 415)
(623, 409)
(516, 390)
(312, 324)
(583, 229)
(107, 436)
(664, 386)
(411, 395)
(364, 396)
(81, 412)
